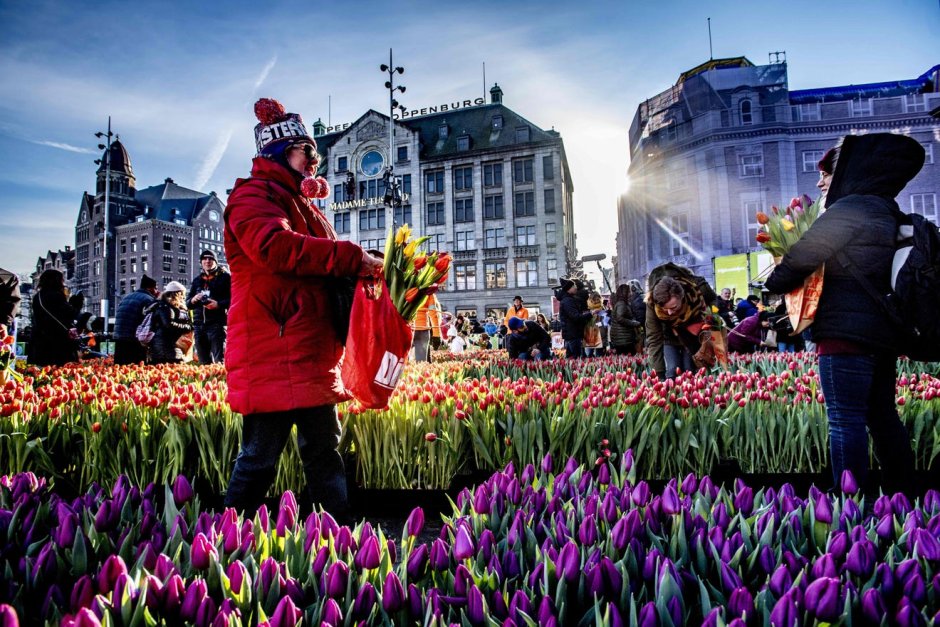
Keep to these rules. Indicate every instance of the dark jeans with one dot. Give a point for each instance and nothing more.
(421, 343)
(573, 348)
(129, 352)
(859, 392)
(263, 440)
(676, 357)
(210, 343)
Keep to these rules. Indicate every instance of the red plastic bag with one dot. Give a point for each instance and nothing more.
(377, 347)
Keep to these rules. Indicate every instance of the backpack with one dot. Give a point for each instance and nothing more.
(914, 299)
(144, 331)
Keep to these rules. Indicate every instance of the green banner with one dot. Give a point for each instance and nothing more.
(731, 272)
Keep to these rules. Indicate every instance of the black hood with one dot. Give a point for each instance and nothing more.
(879, 164)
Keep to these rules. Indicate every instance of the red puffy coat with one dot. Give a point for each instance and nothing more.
(282, 352)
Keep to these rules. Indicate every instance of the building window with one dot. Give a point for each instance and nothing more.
(372, 244)
(133, 285)
(402, 215)
(435, 213)
(182, 265)
(123, 246)
(671, 132)
(338, 195)
(493, 207)
(492, 174)
(182, 244)
(442, 131)
(497, 122)
(494, 238)
(144, 242)
(752, 165)
(549, 201)
(463, 142)
(746, 116)
(522, 171)
(371, 219)
(167, 242)
(144, 266)
(751, 207)
(167, 263)
(522, 134)
(527, 273)
(406, 183)
(97, 248)
(928, 152)
(548, 168)
(811, 159)
(133, 265)
(914, 103)
(342, 164)
(403, 153)
(465, 276)
(552, 266)
(808, 112)
(436, 242)
(463, 240)
(123, 285)
(675, 177)
(861, 107)
(463, 178)
(680, 228)
(341, 222)
(435, 182)
(550, 233)
(525, 235)
(925, 205)
(123, 266)
(494, 275)
(463, 210)
(371, 189)
(524, 204)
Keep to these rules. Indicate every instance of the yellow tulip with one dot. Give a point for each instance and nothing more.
(410, 249)
(403, 234)
(787, 225)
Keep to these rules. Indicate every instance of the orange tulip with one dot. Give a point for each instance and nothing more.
(411, 294)
(420, 261)
(762, 217)
(442, 263)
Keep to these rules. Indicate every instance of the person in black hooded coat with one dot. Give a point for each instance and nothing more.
(855, 338)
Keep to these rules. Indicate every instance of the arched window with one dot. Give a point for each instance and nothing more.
(746, 117)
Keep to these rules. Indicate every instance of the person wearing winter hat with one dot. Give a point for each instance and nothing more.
(130, 313)
(169, 323)
(528, 340)
(283, 354)
(208, 299)
(574, 315)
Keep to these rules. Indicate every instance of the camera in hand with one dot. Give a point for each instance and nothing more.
(204, 296)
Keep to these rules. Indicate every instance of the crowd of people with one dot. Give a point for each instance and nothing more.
(283, 365)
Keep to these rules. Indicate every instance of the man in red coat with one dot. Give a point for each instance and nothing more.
(283, 355)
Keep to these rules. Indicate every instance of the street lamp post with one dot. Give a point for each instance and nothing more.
(105, 309)
(392, 198)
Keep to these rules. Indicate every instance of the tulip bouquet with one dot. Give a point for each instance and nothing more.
(412, 274)
(8, 360)
(781, 229)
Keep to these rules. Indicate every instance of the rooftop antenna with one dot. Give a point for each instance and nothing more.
(484, 81)
(711, 54)
(329, 110)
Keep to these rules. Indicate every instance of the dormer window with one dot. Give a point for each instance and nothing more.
(463, 142)
(442, 131)
(522, 134)
(747, 117)
(497, 122)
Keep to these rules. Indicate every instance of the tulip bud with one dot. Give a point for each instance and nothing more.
(182, 491)
(785, 613)
(286, 614)
(8, 617)
(228, 614)
(823, 599)
(417, 562)
(369, 554)
(113, 567)
(192, 599)
(365, 602)
(741, 602)
(463, 544)
(202, 552)
(337, 577)
(393, 593)
(670, 501)
(647, 616)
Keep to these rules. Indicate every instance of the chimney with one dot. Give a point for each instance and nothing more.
(496, 94)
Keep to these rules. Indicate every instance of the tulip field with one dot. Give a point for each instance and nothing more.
(104, 471)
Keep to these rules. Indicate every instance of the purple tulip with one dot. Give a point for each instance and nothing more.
(369, 554)
(173, 591)
(925, 543)
(476, 606)
(286, 520)
(766, 559)
(337, 577)
(182, 491)
(8, 617)
(365, 602)
(647, 616)
(112, 568)
(908, 615)
(331, 613)
(740, 602)
(85, 618)
(670, 501)
(106, 518)
(861, 559)
(83, 593)
(546, 613)
(417, 562)
(720, 515)
(744, 500)
(463, 544)
(462, 579)
(237, 575)
(823, 599)
(568, 564)
(587, 532)
(286, 614)
(823, 509)
(264, 518)
(915, 589)
(440, 555)
(415, 602)
(393, 593)
(780, 581)
(873, 605)
(481, 501)
(547, 464)
(344, 542)
(201, 553)
(206, 612)
(730, 579)
(626, 529)
(900, 504)
(641, 494)
(824, 566)
(192, 599)
(626, 462)
(228, 613)
(785, 613)
(487, 544)
(319, 562)
(906, 569)
(520, 603)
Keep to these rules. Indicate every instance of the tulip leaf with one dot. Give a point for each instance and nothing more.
(79, 555)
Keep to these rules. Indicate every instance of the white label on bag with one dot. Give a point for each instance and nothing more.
(389, 370)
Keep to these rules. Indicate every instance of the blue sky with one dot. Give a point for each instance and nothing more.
(179, 78)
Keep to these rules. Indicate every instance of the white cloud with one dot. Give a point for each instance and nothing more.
(62, 146)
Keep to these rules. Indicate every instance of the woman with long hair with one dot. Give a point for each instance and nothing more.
(170, 322)
(52, 342)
